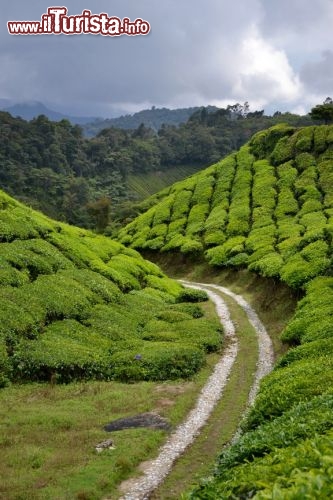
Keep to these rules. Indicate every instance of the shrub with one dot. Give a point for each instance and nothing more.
(313, 318)
(304, 139)
(191, 247)
(66, 351)
(283, 151)
(219, 255)
(282, 389)
(203, 190)
(196, 219)
(304, 161)
(160, 361)
(181, 205)
(192, 295)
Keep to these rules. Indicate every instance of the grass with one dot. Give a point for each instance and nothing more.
(48, 434)
(144, 185)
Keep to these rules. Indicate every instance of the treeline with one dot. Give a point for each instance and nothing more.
(152, 118)
(52, 167)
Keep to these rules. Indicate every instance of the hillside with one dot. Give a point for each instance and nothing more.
(152, 118)
(75, 306)
(53, 168)
(267, 208)
(32, 109)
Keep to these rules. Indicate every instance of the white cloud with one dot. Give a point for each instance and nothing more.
(265, 73)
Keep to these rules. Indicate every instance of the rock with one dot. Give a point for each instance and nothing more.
(105, 445)
(149, 419)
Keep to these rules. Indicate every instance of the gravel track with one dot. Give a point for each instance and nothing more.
(184, 435)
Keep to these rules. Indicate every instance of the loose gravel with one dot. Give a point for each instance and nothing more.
(185, 433)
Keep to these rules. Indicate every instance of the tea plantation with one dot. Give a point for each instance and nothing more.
(269, 208)
(75, 305)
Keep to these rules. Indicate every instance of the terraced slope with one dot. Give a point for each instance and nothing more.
(75, 305)
(268, 207)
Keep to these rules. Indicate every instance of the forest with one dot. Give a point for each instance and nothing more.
(88, 182)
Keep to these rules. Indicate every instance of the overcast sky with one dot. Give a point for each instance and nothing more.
(275, 54)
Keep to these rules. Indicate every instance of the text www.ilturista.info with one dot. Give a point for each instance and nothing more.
(56, 22)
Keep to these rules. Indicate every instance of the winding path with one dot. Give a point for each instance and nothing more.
(185, 433)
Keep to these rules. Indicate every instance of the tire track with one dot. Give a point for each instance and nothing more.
(184, 435)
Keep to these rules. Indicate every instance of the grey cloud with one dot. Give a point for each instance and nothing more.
(191, 56)
(318, 76)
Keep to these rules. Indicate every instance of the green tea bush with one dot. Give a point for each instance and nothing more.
(306, 180)
(287, 175)
(216, 219)
(298, 471)
(304, 139)
(191, 246)
(286, 204)
(9, 276)
(156, 361)
(284, 388)
(193, 310)
(269, 265)
(225, 176)
(66, 351)
(319, 138)
(181, 205)
(325, 170)
(192, 295)
(262, 217)
(304, 160)
(303, 421)
(203, 190)
(309, 263)
(173, 316)
(314, 349)
(175, 243)
(61, 296)
(214, 238)
(176, 228)
(263, 190)
(18, 223)
(239, 220)
(263, 143)
(283, 151)
(313, 318)
(159, 230)
(102, 287)
(218, 256)
(196, 219)
(154, 244)
(288, 228)
(164, 284)
(163, 211)
(261, 237)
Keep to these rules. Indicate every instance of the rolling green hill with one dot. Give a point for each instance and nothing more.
(75, 305)
(268, 208)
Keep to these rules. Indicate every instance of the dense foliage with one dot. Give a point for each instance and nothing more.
(268, 207)
(52, 167)
(152, 118)
(75, 305)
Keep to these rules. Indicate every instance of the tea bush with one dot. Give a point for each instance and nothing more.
(71, 301)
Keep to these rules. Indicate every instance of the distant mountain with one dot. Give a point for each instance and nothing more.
(30, 109)
(153, 118)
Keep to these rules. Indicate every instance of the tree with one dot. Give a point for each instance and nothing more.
(100, 211)
(323, 112)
